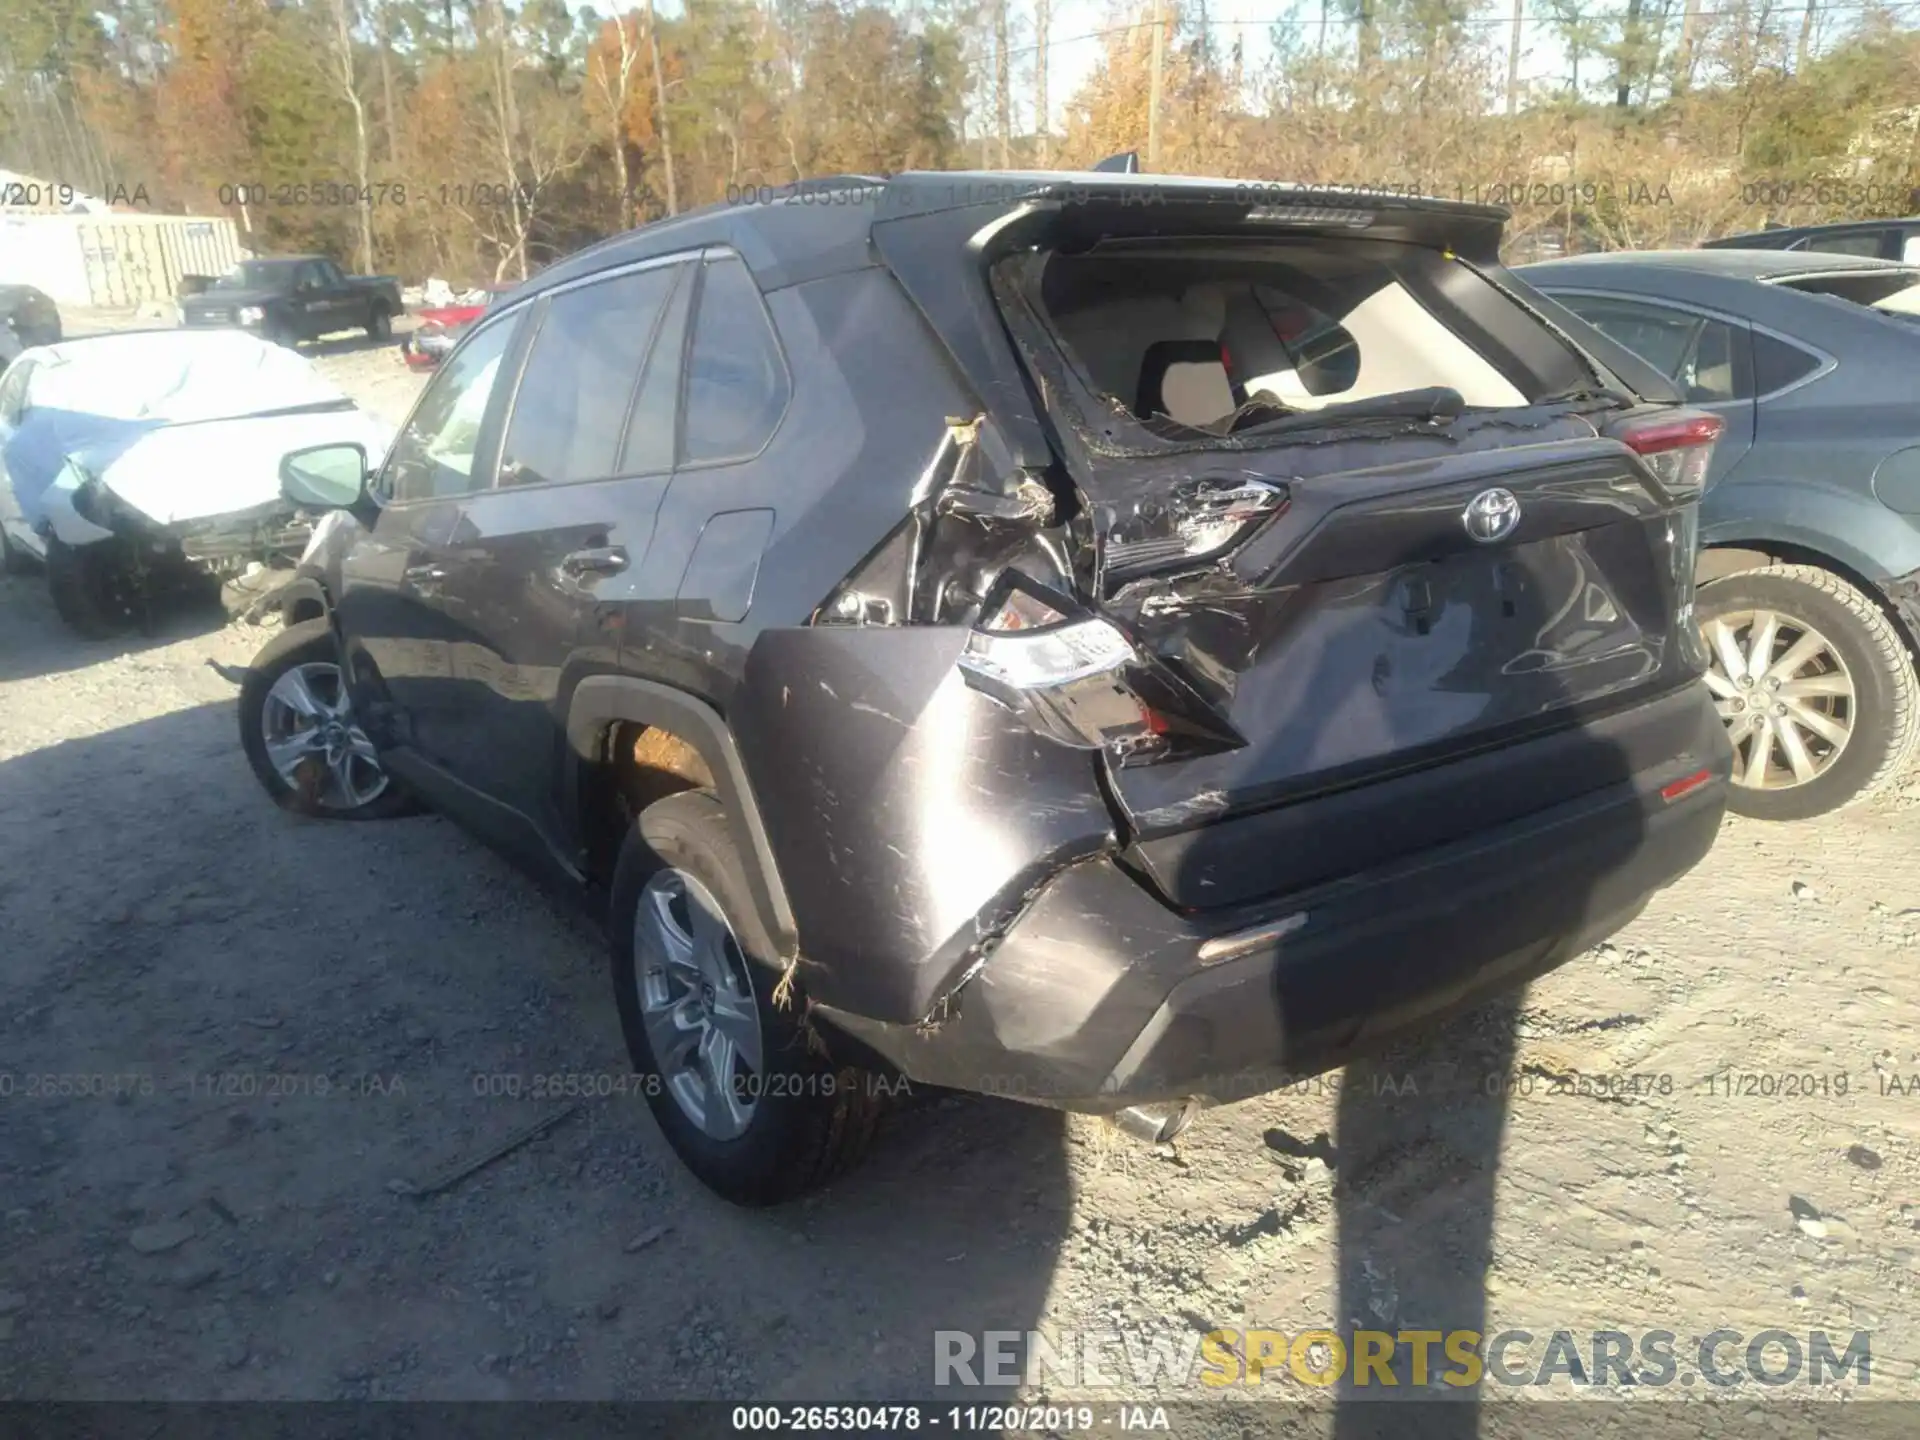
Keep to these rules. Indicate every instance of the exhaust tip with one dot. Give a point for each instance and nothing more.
(1157, 1124)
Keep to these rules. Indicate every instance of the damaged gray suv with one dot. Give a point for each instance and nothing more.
(1116, 643)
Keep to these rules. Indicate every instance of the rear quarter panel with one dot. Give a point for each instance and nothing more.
(1808, 481)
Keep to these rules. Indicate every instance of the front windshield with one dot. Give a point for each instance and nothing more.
(252, 275)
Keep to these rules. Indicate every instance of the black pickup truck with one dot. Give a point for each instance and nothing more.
(291, 298)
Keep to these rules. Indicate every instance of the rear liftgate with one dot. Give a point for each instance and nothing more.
(1229, 634)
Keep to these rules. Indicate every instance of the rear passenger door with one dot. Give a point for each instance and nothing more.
(1709, 356)
(719, 514)
(542, 558)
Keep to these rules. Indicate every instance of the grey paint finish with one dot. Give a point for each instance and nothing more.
(718, 581)
(1807, 479)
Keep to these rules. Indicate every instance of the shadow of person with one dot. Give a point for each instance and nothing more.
(1551, 679)
(1419, 1133)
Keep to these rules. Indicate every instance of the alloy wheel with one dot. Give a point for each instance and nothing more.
(697, 1004)
(313, 743)
(1785, 694)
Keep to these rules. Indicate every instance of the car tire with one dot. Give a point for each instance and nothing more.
(806, 1119)
(315, 788)
(380, 324)
(91, 589)
(1855, 722)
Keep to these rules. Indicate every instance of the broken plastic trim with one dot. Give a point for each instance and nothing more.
(1201, 518)
(971, 513)
(1079, 680)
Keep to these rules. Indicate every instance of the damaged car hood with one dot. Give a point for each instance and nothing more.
(179, 425)
(201, 471)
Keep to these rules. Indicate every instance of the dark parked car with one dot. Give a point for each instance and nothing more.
(31, 315)
(1810, 579)
(1118, 643)
(296, 297)
(1869, 239)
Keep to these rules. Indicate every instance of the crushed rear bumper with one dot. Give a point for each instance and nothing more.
(1102, 996)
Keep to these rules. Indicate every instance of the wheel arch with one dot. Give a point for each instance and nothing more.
(1721, 559)
(601, 704)
(302, 600)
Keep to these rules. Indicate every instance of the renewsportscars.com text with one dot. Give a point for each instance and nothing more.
(1147, 1359)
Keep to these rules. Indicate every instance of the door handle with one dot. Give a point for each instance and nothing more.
(608, 560)
(424, 575)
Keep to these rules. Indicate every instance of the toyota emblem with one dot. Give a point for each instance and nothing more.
(1491, 515)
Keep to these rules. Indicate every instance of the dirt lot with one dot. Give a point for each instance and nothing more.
(215, 1228)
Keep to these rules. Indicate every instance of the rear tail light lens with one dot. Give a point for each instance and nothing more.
(1042, 659)
(1077, 679)
(1677, 448)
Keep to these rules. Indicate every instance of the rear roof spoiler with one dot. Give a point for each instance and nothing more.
(1089, 205)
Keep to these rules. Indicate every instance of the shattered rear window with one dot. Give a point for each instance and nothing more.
(1222, 339)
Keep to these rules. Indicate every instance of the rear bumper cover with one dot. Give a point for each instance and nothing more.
(1097, 998)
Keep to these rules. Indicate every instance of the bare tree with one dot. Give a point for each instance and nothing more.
(1002, 84)
(610, 70)
(1513, 57)
(344, 73)
(1042, 16)
(660, 112)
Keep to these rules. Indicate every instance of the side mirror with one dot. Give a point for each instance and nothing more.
(325, 477)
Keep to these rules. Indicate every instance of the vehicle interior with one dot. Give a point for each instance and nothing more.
(1196, 334)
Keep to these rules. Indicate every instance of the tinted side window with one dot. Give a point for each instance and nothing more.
(572, 405)
(1864, 242)
(1692, 350)
(1776, 364)
(652, 427)
(433, 457)
(737, 384)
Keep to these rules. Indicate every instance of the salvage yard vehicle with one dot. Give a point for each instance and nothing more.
(1119, 643)
(1872, 239)
(1810, 575)
(30, 316)
(291, 298)
(440, 327)
(134, 463)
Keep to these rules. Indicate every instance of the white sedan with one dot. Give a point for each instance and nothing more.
(132, 459)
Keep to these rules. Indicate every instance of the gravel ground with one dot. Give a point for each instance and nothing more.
(213, 1227)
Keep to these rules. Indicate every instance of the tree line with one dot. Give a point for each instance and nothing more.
(479, 139)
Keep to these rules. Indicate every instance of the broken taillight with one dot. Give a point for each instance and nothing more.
(1676, 448)
(1077, 679)
(1195, 520)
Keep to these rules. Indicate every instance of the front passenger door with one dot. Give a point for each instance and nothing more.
(310, 302)
(400, 637)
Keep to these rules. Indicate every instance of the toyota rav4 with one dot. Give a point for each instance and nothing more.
(1117, 643)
